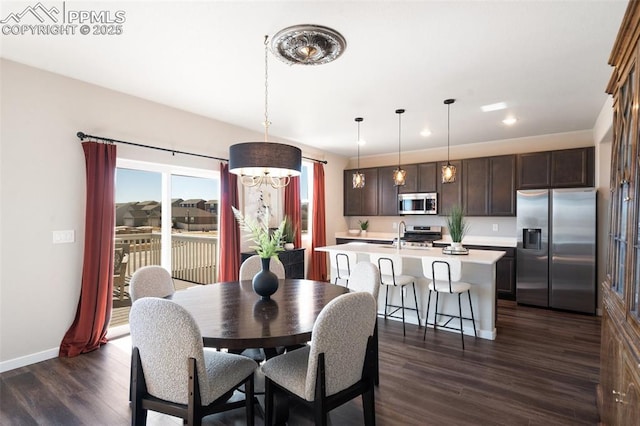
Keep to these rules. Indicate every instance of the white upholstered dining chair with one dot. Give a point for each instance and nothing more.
(174, 374)
(252, 265)
(335, 367)
(151, 281)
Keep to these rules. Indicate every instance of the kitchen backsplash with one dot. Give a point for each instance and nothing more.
(478, 226)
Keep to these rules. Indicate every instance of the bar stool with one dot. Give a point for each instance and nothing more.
(445, 278)
(390, 266)
(342, 262)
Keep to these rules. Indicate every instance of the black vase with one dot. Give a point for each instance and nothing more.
(265, 282)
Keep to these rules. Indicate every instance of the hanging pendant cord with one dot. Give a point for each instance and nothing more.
(399, 133)
(266, 89)
(448, 129)
(358, 147)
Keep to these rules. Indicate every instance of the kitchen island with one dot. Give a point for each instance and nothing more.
(478, 269)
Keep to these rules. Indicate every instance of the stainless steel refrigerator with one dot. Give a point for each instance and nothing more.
(556, 255)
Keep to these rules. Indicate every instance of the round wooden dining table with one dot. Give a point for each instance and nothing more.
(231, 315)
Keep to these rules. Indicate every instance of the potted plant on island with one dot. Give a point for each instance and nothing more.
(289, 233)
(267, 244)
(457, 227)
(364, 225)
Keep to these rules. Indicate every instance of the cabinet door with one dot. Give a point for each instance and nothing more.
(449, 194)
(502, 190)
(629, 398)
(609, 370)
(427, 173)
(505, 278)
(476, 186)
(411, 180)
(534, 170)
(387, 192)
(370, 193)
(352, 197)
(572, 167)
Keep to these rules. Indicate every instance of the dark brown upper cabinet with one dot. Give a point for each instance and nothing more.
(427, 177)
(387, 191)
(489, 188)
(572, 167)
(534, 170)
(566, 168)
(449, 194)
(363, 201)
(411, 180)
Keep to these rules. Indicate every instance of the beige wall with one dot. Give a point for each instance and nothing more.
(42, 188)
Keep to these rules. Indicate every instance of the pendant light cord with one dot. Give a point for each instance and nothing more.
(358, 142)
(266, 89)
(448, 130)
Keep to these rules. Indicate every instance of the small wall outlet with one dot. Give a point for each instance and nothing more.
(395, 225)
(63, 237)
(495, 227)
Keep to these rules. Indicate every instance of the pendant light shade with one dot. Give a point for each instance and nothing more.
(399, 174)
(358, 178)
(270, 163)
(448, 171)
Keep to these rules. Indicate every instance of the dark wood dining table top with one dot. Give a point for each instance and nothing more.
(231, 315)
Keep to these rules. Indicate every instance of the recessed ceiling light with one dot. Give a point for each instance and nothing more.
(493, 107)
(425, 133)
(509, 121)
(362, 142)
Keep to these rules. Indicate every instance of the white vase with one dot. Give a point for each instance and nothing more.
(363, 232)
(456, 246)
(289, 246)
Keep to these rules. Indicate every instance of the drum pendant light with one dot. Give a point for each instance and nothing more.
(259, 163)
(399, 174)
(448, 171)
(358, 178)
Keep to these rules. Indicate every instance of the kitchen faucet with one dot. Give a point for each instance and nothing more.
(402, 228)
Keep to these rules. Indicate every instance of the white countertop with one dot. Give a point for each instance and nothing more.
(486, 257)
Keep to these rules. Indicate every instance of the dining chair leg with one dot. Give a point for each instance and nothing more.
(268, 402)
(435, 317)
(249, 392)
(426, 320)
(386, 301)
(404, 332)
(460, 312)
(475, 333)
(415, 299)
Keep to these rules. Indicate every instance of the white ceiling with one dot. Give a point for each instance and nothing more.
(546, 59)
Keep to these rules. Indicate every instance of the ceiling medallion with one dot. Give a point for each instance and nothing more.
(308, 45)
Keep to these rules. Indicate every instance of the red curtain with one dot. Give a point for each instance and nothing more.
(89, 328)
(318, 260)
(292, 207)
(229, 230)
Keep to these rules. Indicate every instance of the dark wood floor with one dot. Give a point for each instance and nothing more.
(541, 370)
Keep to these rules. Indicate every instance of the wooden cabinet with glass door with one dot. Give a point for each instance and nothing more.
(620, 356)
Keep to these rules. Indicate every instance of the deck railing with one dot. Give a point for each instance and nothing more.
(193, 257)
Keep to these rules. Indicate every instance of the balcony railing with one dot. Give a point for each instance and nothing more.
(193, 257)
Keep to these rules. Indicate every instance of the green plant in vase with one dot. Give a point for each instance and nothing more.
(289, 233)
(457, 225)
(364, 225)
(266, 244)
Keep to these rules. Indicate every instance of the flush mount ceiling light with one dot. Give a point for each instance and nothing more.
(399, 174)
(358, 178)
(448, 171)
(308, 45)
(509, 121)
(265, 162)
(493, 107)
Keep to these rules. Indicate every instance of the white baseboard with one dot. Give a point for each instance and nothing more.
(29, 359)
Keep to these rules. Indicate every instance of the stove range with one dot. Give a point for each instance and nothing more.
(421, 236)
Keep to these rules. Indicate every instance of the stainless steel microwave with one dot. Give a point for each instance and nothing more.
(422, 203)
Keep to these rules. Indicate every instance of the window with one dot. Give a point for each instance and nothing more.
(306, 197)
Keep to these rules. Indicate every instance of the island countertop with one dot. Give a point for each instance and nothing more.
(485, 257)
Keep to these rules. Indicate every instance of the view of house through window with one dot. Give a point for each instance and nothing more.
(306, 192)
(166, 217)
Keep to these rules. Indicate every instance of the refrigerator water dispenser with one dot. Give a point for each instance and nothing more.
(532, 239)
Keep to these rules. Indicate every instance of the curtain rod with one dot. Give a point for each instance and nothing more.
(82, 136)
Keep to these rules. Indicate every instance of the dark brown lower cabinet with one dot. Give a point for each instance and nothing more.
(505, 270)
(292, 260)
